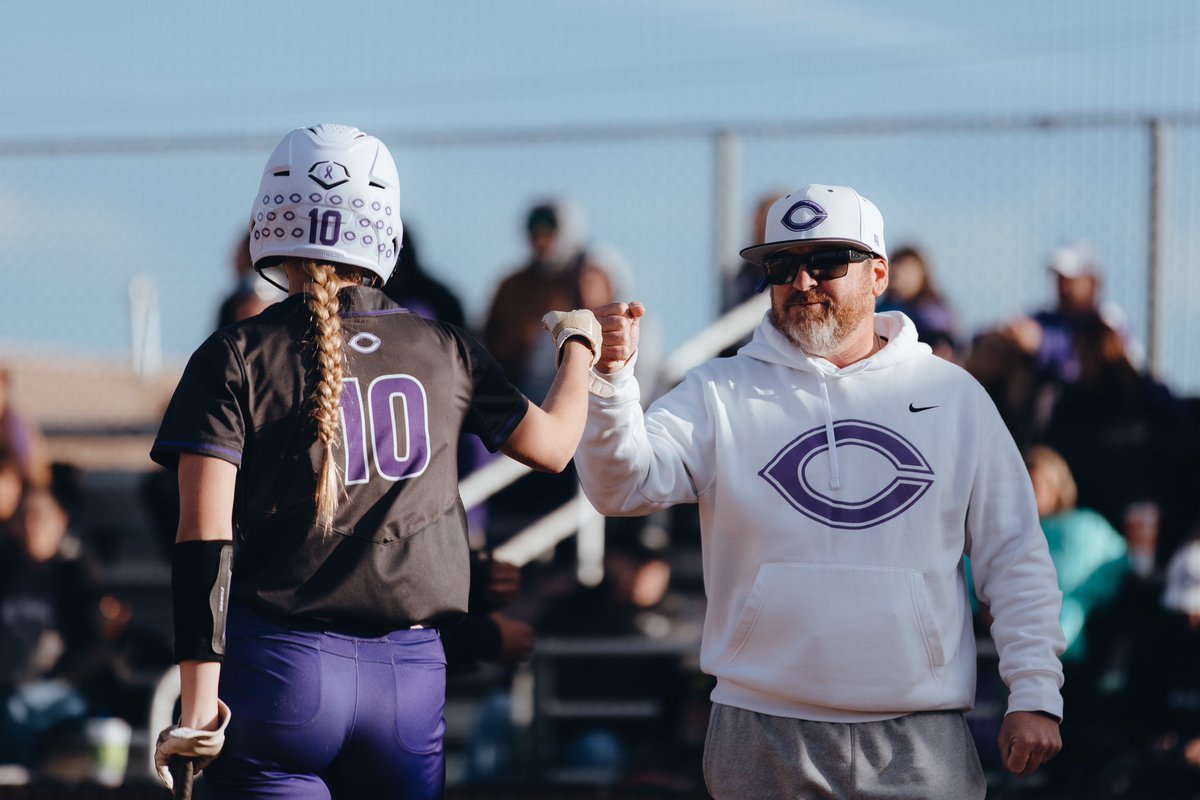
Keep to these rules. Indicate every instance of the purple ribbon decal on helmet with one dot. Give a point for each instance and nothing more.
(787, 473)
(328, 174)
(814, 215)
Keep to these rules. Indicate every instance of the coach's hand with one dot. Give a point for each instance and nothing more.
(580, 323)
(200, 747)
(619, 324)
(1027, 740)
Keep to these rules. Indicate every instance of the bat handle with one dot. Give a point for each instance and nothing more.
(182, 772)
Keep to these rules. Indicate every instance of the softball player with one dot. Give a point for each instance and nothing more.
(324, 433)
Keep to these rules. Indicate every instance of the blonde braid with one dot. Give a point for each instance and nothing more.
(322, 301)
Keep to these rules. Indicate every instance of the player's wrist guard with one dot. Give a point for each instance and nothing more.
(581, 323)
(200, 575)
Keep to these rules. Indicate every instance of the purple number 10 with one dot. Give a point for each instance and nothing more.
(327, 227)
(399, 442)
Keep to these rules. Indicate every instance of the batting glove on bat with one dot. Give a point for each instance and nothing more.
(201, 747)
(564, 325)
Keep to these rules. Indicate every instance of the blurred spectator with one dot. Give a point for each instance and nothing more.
(21, 437)
(622, 606)
(744, 282)
(1090, 559)
(51, 641)
(413, 287)
(1025, 363)
(1124, 435)
(159, 493)
(635, 582)
(1010, 377)
(1089, 555)
(911, 290)
(486, 633)
(251, 294)
(1048, 335)
(561, 273)
(1165, 686)
(12, 479)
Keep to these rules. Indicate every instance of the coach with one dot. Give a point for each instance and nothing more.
(842, 473)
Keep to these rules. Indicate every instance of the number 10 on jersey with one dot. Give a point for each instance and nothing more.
(396, 415)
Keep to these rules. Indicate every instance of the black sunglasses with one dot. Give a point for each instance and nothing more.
(823, 265)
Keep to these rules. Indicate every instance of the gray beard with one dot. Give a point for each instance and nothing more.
(823, 335)
(816, 337)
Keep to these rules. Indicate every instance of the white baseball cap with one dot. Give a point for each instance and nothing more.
(1074, 260)
(817, 217)
(1183, 580)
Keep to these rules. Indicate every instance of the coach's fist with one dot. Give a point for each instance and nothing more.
(198, 746)
(619, 326)
(1027, 740)
(580, 323)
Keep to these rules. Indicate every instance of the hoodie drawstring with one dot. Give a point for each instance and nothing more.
(835, 478)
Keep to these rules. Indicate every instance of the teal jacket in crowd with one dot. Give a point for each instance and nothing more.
(1091, 560)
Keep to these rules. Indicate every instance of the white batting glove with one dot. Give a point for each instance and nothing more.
(565, 324)
(201, 747)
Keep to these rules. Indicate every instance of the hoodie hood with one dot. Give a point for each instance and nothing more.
(771, 346)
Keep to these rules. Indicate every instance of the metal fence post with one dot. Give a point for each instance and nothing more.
(1159, 158)
(144, 333)
(727, 175)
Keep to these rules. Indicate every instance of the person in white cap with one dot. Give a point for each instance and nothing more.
(1048, 335)
(1163, 683)
(842, 472)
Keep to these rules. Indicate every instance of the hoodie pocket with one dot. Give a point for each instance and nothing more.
(853, 637)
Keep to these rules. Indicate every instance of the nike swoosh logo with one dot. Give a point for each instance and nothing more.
(917, 409)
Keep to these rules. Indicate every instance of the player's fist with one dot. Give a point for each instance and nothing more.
(564, 325)
(198, 746)
(619, 324)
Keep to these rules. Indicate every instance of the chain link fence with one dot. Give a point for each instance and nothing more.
(986, 198)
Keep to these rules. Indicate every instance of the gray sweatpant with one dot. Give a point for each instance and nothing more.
(921, 756)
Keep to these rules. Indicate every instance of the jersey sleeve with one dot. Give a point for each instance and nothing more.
(205, 415)
(497, 406)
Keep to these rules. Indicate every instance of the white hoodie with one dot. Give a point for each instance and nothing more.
(834, 573)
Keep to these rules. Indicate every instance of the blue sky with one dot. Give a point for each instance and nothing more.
(163, 68)
(85, 72)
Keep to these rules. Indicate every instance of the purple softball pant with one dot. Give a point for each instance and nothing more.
(326, 715)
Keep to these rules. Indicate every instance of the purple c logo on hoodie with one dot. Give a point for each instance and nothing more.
(786, 472)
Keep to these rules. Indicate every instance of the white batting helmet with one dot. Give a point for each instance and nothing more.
(329, 192)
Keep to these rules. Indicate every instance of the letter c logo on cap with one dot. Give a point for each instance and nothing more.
(804, 216)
